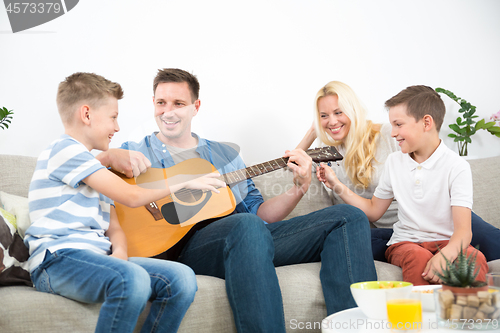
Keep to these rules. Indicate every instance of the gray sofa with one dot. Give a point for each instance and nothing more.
(23, 309)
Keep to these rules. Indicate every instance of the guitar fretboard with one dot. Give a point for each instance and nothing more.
(237, 176)
(322, 154)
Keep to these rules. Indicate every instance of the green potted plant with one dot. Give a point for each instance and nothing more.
(463, 302)
(5, 117)
(461, 274)
(465, 126)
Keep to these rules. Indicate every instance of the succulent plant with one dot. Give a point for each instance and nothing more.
(460, 273)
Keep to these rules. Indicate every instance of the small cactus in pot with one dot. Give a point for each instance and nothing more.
(465, 302)
(461, 272)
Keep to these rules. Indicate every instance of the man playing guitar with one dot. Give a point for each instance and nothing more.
(244, 245)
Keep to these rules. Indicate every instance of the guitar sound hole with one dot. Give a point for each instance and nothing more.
(189, 196)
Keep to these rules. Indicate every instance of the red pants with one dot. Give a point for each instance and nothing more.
(413, 257)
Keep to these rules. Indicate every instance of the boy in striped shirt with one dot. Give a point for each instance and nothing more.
(77, 247)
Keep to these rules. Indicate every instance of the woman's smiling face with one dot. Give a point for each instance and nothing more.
(333, 120)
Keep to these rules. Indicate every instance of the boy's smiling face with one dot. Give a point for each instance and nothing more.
(405, 129)
(104, 123)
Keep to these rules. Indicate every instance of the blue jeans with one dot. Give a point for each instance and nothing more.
(124, 287)
(483, 234)
(244, 251)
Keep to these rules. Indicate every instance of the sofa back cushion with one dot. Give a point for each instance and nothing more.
(279, 181)
(16, 173)
(486, 183)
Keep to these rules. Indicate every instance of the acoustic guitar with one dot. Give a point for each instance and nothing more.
(158, 226)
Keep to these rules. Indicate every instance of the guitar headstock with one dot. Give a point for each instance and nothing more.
(324, 154)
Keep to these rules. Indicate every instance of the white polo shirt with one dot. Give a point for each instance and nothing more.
(425, 193)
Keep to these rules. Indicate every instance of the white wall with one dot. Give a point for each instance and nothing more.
(260, 63)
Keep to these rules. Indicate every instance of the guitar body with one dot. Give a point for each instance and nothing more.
(151, 231)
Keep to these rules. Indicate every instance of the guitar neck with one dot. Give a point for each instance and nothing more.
(323, 154)
(237, 176)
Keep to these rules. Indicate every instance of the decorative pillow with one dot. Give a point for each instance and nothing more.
(13, 253)
(19, 207)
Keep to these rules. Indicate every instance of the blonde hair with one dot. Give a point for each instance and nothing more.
(84, 88)
(360, 142)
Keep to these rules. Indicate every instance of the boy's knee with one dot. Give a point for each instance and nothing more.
(189, 287)
(416, 256)
(133, 282)
(480, 257)
(187, 281)
(407, 252)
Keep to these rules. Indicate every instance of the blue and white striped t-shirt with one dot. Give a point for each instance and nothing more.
(65, 212)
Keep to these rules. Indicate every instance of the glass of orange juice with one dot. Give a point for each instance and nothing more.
(404, 314)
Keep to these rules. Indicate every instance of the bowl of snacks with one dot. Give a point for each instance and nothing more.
(427, 296)
(370, 296)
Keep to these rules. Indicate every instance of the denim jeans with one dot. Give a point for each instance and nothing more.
(124, 287)
(244, 251)
(483, 234)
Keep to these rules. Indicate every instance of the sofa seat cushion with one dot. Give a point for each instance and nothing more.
(210, 312)
(29, 311)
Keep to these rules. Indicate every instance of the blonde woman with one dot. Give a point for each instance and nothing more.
(340, 120)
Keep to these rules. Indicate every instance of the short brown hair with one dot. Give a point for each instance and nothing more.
(84, 87)
(420, 101)
(166, 75)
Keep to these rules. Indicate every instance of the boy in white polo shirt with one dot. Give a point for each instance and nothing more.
(433, 187)
(77, 247)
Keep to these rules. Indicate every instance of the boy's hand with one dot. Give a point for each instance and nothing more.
(300, 164)
(129, 162)
(208, 182)
(119, 254)
(435, 264)
(326, 175)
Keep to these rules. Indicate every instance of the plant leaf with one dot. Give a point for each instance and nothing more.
(480, 124)
(455, 127)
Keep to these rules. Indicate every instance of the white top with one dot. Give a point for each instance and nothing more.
(384, 147)
(425, 193)
(65, 212)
